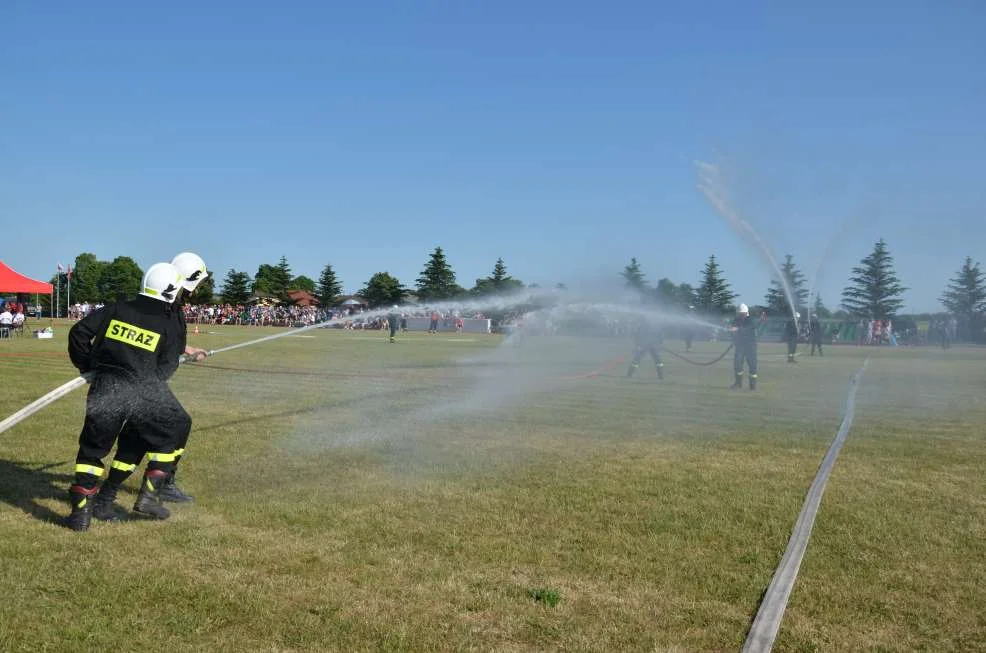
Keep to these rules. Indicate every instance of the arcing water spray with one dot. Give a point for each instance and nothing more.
(714, 189)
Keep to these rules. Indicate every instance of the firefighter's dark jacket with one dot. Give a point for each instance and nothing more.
(746, 331)
(648, 334)
(141, 339)
(791, 330)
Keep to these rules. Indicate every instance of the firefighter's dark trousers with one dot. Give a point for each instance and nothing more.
(745, 354)
(145, 417)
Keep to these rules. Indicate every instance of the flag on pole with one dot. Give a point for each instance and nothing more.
(60, 268)
(69, 271)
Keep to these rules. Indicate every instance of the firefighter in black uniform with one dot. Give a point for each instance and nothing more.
(791, 336)
(393, 323)
(131, 349)
(815, 334)
(744, 330)
(690, 330)
(647, 338)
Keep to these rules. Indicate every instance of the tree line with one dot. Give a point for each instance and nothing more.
(95, 281)
(873, 292)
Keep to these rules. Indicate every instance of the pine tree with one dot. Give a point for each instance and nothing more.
(329, 288)
(282, 279)
(437, 280)
(499, 272)
(383, 289)
(498, 282)
(820, 310)
(236, 288)
(874, 290)
(965, 298)
(273, 279)
(713, 295)
(776, 301)
(633, 276)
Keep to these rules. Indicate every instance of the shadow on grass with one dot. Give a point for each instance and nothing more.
(22, 485)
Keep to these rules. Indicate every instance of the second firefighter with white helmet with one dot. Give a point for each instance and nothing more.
(791, 336)
(193, 271)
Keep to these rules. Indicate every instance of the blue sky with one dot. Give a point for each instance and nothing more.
(557, 135)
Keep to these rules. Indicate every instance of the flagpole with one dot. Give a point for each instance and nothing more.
(58, 290)
(68, 291)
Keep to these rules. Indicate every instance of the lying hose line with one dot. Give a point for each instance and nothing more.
(699, 363)
(38, 404)
(80, 381)
(765, 626)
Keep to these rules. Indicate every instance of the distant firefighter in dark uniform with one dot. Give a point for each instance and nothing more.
(791, 336)
(393, 323)
(815, 328)
(647, 338)
(690, 330)
(744, 330)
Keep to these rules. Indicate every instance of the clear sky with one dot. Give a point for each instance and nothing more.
(557, 135)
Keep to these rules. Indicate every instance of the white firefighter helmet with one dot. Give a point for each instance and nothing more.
(161, 282)
(743, 309)
(797, 315)
(192, 269)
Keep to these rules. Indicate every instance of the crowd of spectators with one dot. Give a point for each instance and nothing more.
(11, 318)
(256, 314)
(78, 311)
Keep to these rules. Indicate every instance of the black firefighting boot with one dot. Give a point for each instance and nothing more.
(103, 507)
(753, 382)
(82, 502)
(149, 500)
(660, 371)
(633, 368)
(171, 492)
(739, 382)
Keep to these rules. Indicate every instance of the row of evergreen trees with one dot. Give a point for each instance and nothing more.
(874, 291)
(96, 281)
(436, 282)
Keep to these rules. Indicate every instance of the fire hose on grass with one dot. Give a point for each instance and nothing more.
(80, 381)
(699, 363)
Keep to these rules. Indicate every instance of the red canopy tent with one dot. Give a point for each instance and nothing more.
(11, 281)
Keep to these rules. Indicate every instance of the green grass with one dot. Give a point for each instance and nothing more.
(447, 494)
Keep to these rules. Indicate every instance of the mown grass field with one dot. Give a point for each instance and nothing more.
(448, 493)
